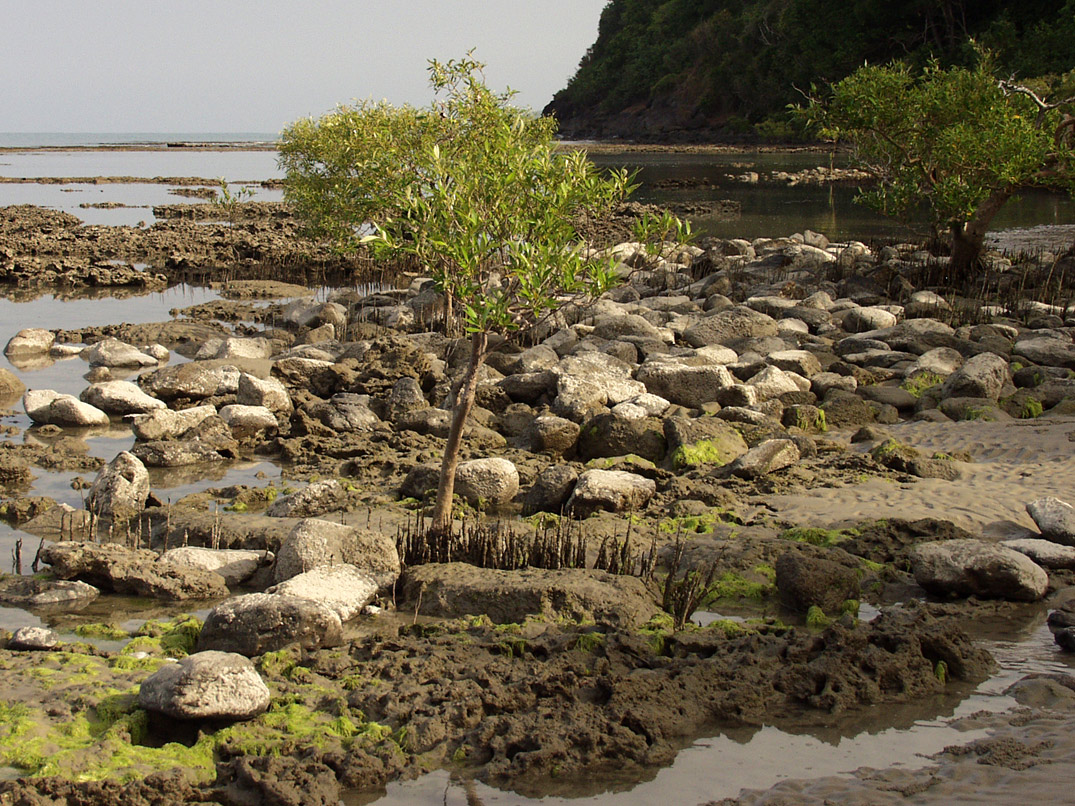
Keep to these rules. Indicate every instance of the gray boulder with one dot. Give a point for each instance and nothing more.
(1046, 351)
(313, 543)
(264, 622)
(967, 567)
(343, 588)
(554, 435)
(730, 326)
(121, 487)
(136, 571)
(28, 342)
(236, 566)
(33, 639)
(551, 489)
(318, 498)
(166, 423)
(614, 490)
(193, 381)
(267, 392)
(206, 685)
(115, 353)
(1055, 519)
(457, 589)
(683, 383)
(805, 582)
(768, 457)
(48, 407)
(1045, 553)
(120, 397)
(490, 481)
(984, 375)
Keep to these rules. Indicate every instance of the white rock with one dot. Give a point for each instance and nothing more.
(120, 397)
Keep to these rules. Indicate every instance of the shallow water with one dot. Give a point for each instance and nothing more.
(234, 165)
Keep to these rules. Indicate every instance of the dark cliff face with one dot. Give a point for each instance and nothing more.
(705, 70)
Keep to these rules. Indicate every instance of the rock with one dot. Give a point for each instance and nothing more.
(1045, 553)
(318, 498)
(115, 353)
(193, 381)
(33, 639)
(235, 348)
(206, 685)
(48, 407)
(805, 582)
(137, 571)
(488, 481)
(45, 593)
(342, 588)
(730, 326)
(236, 566)
(768, 457)
(1055, 519)
(615, 490)
(551, 490)
(684, 384)
(120, 489)
(10, 385)
(966, 567)
(984, 375)
(29, 341)
(697, 441)
(263, 622)
(406, 396)
(120, 398)
(554, 435)
(166, 423)
(267, 392)
(245, 421)
(313, 543)
(607, 435)
(773, 382)
(348, 413)
(1047, 352)
(588, 383)
(868, 318)
(457, 589)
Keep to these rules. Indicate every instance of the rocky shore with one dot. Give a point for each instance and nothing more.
(841, 466)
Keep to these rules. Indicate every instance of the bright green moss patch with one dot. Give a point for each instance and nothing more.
(176, 638)
(816, 618)
(109, 631)
(825, 538)
(731, 585)
(920, 382)
(702, 452)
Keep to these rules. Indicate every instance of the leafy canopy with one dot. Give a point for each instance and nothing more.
(953, 141)
(471, 187)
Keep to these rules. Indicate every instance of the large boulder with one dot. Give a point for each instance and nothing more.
(235, 565)
(136, 571)
(30, 341)
(967, 567)
(614, 490)
(121, 487)
(10, 385)
(729, 327)
(551, 489)
(554, 435)
(487, 481)
(115, 353)
(805, 582)
(192, 381)
(344, 589)
(767, 457)
(457, 589)
(166, 423)
(264, 622)
(267, 392)
(1055, 519)
(702, 441)
(48, 407)
(318, 498)
(609, 435)
(984, 375)
(120, 398)
(206, 685)
(683, 383)
(313, 543)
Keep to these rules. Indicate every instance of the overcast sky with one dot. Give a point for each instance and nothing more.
(254, 65)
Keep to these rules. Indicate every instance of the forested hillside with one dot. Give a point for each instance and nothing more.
(698, 70)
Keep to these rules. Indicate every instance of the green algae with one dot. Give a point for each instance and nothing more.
(816, 618)
(826, 538)
(111, 632)
(919, 382)
(702, 452)
(175, 639)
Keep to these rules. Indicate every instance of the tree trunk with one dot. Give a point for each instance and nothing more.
(968, 237)
(464, 401)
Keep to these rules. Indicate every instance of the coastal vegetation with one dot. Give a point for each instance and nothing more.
(702, 70)
(472, 191)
